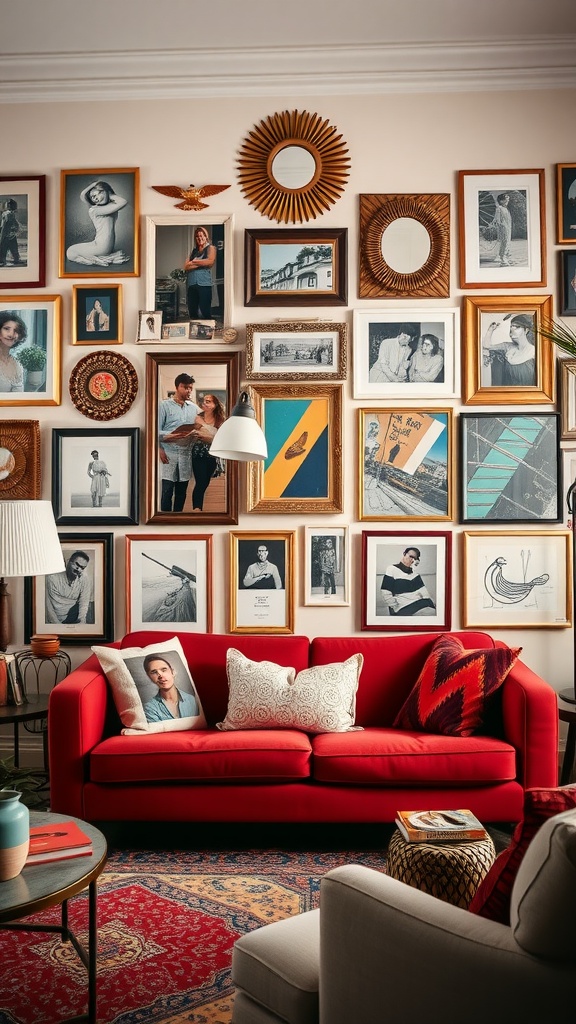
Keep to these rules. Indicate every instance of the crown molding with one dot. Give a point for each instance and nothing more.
(546, 63)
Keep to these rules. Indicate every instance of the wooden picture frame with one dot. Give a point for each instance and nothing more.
(101, 488)
(401, 592)
(47, 605)
(567, 398)
(567, 302)
(517, 579)
(510, 469)
(296, 351)
(149, 326)
(20, 469)
(404, 246)
(502, 241)
(295, 267)
(507, 361)
(302, 424)
(99, 222)
(23, 231)
(97, 314)
(566, 204)
(326, 566)
(35, 378)
(262, 581)
(169, 582)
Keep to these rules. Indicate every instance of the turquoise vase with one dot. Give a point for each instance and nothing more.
(14, 834)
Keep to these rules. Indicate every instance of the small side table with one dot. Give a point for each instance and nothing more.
(450, 871)
(568, 714)
(11, 714)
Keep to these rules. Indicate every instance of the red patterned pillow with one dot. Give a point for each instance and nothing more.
(453, 687)
(492, 900)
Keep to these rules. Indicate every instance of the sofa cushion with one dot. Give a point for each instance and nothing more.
(452, 690)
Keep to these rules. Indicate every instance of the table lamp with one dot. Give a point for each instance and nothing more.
(29, 546)
(240, 438)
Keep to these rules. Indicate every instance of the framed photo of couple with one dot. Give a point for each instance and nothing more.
(406, 580)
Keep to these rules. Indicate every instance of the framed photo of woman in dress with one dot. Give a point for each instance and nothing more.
(169, 582)
(99, 214)
(95, 475)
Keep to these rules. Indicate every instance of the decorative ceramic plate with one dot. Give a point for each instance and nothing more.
(103, 385)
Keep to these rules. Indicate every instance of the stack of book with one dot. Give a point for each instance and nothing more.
(459, 826)
(57, 842)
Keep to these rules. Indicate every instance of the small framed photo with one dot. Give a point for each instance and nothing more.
(566, 203)
(404, 246)
(97, 314)
(262, 582)
(502, 231)
(326, 566)
(568, 281)
(32, 326)
(406, 580)
(296, 351)
(510, 470)
(295, 267)
(569, 477)
(95, 475)
(23, 231)
(517, 579)
(506, 359)
(567, 398)
(406, 464)
(169, 582)
(410, 353)
(99, 215)
(76, 604)
(201, 330)
(149, 325)
(20, 471)
(175, 332)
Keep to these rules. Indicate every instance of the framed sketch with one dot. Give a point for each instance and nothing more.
(404, 246)
(295, 267)
(262, 581)
(566, 203)
(506, 359)
(406, 580)
(30, 333)
(169, 582)
(23, 231)
(410, 353)
(406, 464)
(502, 231)
(296, 351)
(149, 325)
(76, 604)
(326, 566)
(302, 424)
(20, 471)
(517, 579)
(99, 217)
(567, 398)
(204, 294)
(510, 467)
(97, 314)
(95, 475)
(184, 483)
(568, 281)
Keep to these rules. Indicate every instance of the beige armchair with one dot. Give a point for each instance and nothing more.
(380, 952)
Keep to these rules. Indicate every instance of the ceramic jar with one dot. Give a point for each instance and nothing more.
(14, 834)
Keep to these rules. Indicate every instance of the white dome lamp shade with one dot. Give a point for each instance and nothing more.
(240, 438)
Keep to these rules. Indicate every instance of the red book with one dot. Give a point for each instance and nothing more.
(56, 841)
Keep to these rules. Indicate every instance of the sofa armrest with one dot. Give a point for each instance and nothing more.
(530, 718)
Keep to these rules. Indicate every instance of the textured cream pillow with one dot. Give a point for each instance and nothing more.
(263, 695)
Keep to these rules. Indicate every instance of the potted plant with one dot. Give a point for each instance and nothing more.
(28, 781)
(33, 359)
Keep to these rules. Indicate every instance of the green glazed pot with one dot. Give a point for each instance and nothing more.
(14, 834)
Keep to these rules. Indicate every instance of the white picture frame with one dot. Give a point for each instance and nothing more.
(323, 586)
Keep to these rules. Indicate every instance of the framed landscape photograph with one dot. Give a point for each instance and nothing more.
(517, 579)
(95, 475)
(99, 219)
(406, 580)
(406, 353)
(296, 351)
(326, 566)
(169, 582)
(502, 229)
(23, 231)
(566, 203)
(567, 398)
(97, 314)
(20, 469)
(568, 282)
(295, 267)
(262, 581)
(30, 326)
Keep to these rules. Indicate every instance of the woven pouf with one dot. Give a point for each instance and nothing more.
(450, 871)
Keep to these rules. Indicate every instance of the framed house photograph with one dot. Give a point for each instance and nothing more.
(302, 424)
(568, 281)
(169, 582)
(99, 223)
(507, 361)
(406, 464)
(30, 349)
(296, 351)
(326, 566)
(517, 579)
(20, 470)
(567, 398)
(76, 604)
(502, 233)
(407, 353)
(404, 246)
(149, 325)
(23, 231)
(510, 468)
(97, 314)
(566, 203)
(187, 398)
(406, 580)
(295, 267)
(262, 582)
(95, 475)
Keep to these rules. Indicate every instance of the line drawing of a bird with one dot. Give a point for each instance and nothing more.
(505, 591)
(191, 197)
(298, 448)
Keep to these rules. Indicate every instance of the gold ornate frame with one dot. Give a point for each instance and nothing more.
(377, 278)
(304, 333)
(269, 610)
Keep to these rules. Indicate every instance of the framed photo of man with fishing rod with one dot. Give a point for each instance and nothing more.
(169, 582)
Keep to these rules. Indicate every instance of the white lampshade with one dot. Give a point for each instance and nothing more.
(240, 438)
(29, 542)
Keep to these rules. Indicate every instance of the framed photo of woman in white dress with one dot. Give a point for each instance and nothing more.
(99, 215)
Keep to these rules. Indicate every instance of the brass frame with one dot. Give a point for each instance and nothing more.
(339, 367)
(96, 338)
(377, 279)
(257, 537)
(53, 392)
(22, 439)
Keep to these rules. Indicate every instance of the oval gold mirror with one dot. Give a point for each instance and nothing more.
(293, 166)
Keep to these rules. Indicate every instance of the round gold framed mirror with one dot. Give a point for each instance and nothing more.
(404, 246)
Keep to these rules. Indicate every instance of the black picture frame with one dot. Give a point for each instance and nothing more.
(567, 283)
(284, 295)
(119, 450)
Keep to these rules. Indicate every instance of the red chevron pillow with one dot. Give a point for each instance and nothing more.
(453, 687)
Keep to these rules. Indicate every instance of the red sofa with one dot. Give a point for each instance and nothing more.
(287, 775)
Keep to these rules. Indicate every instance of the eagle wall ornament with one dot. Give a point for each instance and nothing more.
(191, 197)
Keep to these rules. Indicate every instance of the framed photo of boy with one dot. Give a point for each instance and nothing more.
(295, 267)
(566, 203)
(262, 582)
(568, 281)
(23, 231)
(326, 566)
(30, 329)
(76, 604)
(97, 314)
(296, 351)
(95, 475)
(502, 232)
(169, 582)
(406, 580)
(99, 214)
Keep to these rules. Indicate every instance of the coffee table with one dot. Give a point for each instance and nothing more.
(41, 886)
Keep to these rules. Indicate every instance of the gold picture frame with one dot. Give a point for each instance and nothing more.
(106, 243)
(36, 377)
(97, 324)
(379, 214)
(262, 581)
(296, 351)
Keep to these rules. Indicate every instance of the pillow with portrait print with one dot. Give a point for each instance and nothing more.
(139, 676)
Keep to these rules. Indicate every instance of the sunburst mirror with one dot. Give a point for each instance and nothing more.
(293, 166)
